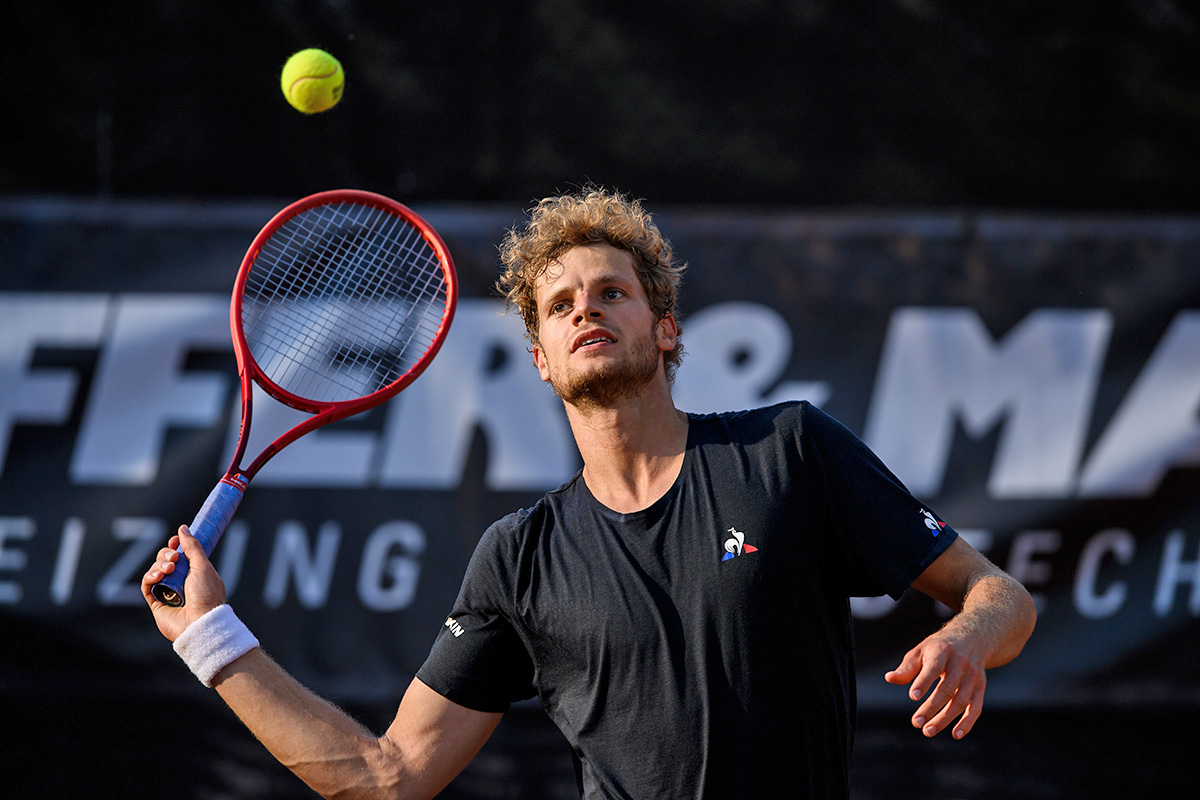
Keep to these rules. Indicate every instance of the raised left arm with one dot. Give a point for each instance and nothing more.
(995, 617)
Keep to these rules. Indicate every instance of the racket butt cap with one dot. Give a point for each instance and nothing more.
(167, 596)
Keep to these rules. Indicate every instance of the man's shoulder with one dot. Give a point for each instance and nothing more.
(785, 415)
(521, 522)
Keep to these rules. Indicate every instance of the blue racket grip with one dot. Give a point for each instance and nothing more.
(209, 524)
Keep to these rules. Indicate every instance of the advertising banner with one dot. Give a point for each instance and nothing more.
(1036, 379)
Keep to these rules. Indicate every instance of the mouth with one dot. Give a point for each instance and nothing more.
(591, 339)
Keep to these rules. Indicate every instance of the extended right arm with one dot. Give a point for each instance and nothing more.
(428, 743)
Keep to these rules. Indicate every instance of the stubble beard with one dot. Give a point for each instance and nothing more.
(612, 382)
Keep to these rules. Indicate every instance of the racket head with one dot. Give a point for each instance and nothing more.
(341, 301)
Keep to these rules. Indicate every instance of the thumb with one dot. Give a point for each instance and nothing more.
(191, 546)
(205, 589)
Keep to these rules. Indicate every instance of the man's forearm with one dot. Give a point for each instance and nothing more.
(999, 611)
(430, 740)
(947, 670)
(317, 741)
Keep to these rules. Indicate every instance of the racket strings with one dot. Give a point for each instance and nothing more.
(372, 282)
(343, 300)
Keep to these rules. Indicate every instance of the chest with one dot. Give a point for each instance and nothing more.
(707, 573)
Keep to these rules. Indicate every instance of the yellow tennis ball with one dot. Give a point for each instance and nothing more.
(312, 81)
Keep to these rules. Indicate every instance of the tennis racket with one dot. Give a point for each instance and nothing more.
(342, 300)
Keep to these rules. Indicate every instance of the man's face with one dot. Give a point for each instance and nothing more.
(598, 340)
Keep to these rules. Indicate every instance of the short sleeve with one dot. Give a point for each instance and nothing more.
(885, 535)
(478, 660)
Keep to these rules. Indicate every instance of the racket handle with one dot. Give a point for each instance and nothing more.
(209, 524)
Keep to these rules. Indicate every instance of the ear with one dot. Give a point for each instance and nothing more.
(667, 333)
(539, 360)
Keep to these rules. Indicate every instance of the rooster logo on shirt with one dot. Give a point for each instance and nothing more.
(736, 545)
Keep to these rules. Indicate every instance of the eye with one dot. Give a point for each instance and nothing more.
(613, 293)
(558, 308)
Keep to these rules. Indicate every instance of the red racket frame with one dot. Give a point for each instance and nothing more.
(326, 412)
(214, 516)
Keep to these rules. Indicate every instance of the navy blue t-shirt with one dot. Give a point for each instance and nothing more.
(702, 647)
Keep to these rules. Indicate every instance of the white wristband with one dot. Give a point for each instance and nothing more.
(213, 642)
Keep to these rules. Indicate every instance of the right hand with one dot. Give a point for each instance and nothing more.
(203, 587)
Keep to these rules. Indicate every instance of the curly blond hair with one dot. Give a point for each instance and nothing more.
(593, 215)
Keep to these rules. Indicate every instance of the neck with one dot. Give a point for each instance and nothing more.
(632, 450)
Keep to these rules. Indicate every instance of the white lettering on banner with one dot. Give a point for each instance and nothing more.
(292, 558)
(29, 321)
(1024, 565)
(1091, 600)
(121, 585)
(483, 376)
(140, 388)
(231, 554)
(735, 353)
(1156, 427)
(12, 559)
(1093, 604)
(871, 607)
(325, 457)
(1175, 572)
(941, 365)
(940, 368)
(391, 566)
(67, 564)
(1109, 570)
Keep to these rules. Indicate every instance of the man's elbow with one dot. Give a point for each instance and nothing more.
(1022, 619)
(380, 774)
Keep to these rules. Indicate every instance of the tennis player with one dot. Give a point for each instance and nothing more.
(680, 607)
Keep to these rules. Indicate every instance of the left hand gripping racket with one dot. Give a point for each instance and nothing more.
(342, 300)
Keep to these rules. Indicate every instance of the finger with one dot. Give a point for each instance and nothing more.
(153, 575)
(166, 558)
(974, 710)
(967, 702)
(164, 564)
(952, 698)
(947, 684)
(932, 668)
(205, 588)
(908, 668)
(926, 716)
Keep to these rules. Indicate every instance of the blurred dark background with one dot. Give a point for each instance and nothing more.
(1057, 106)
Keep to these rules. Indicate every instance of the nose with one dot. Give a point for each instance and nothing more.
(587, 308)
